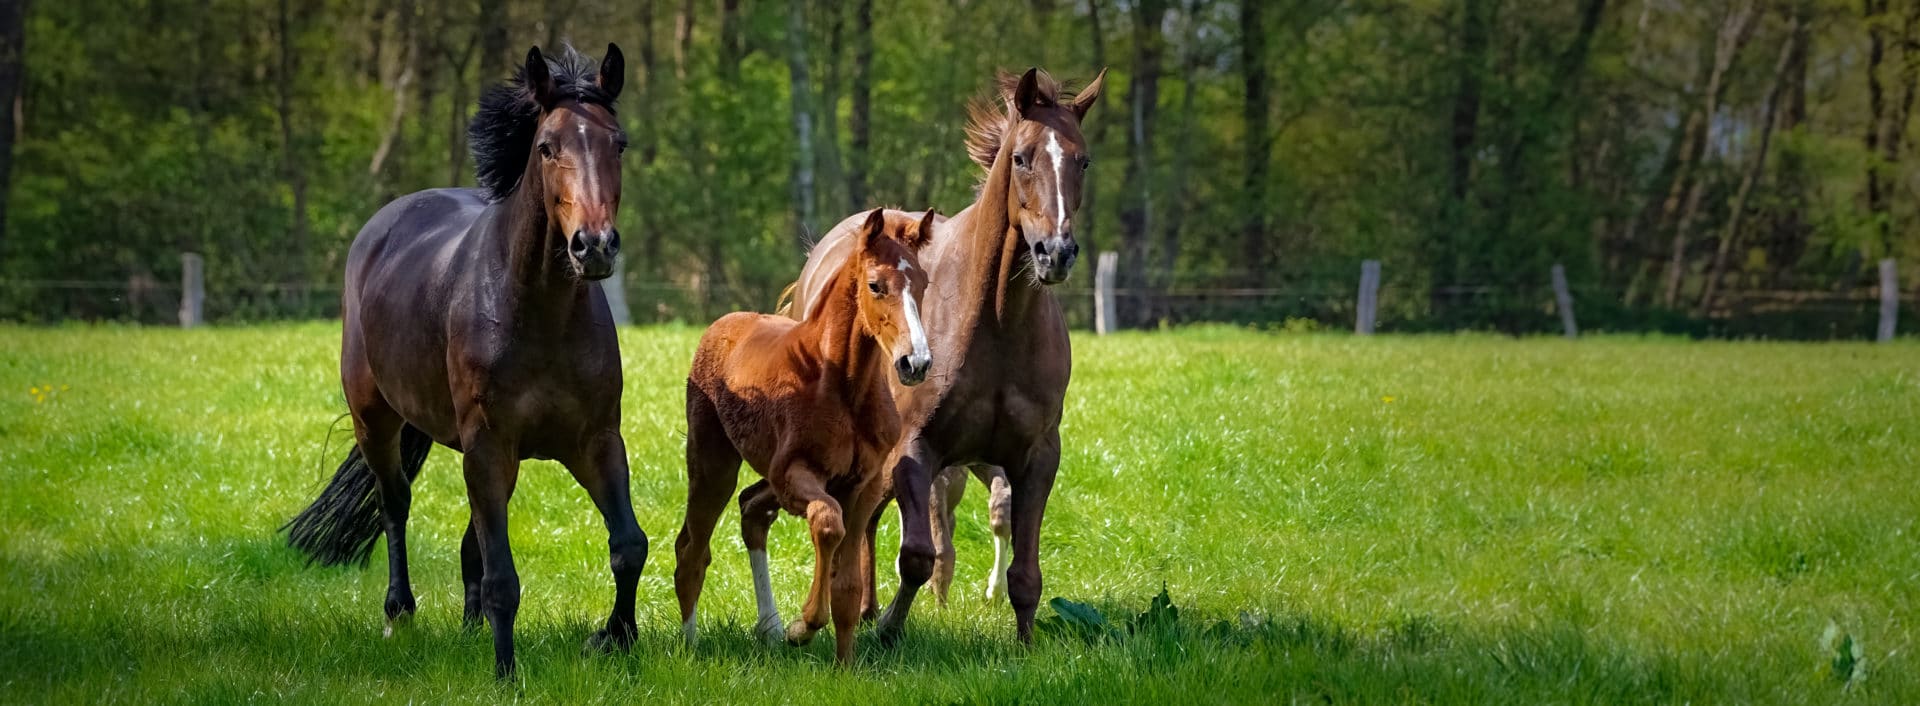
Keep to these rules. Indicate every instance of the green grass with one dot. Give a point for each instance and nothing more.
(1431, 519)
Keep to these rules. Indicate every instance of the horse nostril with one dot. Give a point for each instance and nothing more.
(903, 366)
(613, 242)
(577, 247)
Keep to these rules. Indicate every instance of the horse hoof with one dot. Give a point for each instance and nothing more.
(888, 633)
(770, 632)
(606, 641)
(403, 620)
(798, 634)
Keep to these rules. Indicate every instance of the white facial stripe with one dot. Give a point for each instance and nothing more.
(904, 267)
(914, 329)
(1059, 195)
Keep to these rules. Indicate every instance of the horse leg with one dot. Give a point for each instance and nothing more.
(376, 429)
(758, 509)
(472, 613)
(912, 481)
(602, 471)
(847, 578)
(949, 486)
(869, 585)
(1032, 485)
(492, 469)
(999, 519)
(827, 526)
(713, 469)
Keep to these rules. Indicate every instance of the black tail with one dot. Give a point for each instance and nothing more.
(341, 525)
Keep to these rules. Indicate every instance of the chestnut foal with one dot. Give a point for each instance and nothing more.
(807, 404)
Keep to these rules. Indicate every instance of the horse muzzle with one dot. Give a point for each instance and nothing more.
(912, 368)
(593, 253)
(1053, 258)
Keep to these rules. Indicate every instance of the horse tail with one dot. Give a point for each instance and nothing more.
(341, 525)
(783, 306)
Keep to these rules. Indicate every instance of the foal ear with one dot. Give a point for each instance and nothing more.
(1088, 96)
(1026, 95)
(922, 232)
(874, 231)
(613, 72)
(538, 79)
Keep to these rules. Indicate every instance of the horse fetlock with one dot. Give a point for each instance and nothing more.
(799, 632)
(1023, 590)
(400, 604)
(770, 629)
(500, 596)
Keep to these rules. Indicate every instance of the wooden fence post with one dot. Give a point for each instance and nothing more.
(1889, 300)
(193, 289)
(1369, 304)
(1563, 300)
(616, 288)
(1103, 305)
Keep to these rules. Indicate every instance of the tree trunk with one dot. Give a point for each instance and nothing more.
(1731, 235)
(12, 78)
(1255, 113)
(801, 93)
(1734, 31)
(1463, 141)
(1143, 96)
(1179, 172)
(1787, 241)
(682, 38)
(732, 45)
(496, 58)
(296, 176)
(1086, 219)
(859, 120)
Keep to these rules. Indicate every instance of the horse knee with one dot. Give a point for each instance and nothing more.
(629, 556)
(823, 517)
(501, 594)
(1023, 587)
(915, 564)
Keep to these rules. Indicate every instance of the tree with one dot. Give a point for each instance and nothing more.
(12, 59)
(1143, 100)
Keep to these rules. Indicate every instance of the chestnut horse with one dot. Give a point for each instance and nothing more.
(807, 404)
(472, 319)
(995, 396)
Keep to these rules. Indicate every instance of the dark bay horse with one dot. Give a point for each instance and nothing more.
(807, 404)
(995, 395)
(472, 319)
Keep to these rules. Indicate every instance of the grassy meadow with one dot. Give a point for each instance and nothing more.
(1448, 519)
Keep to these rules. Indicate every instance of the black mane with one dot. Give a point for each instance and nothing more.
(501, 134)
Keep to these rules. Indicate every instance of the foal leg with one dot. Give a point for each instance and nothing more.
(713, 469)
(758, 509)
(1032, 485)
(912, 481)
(827, 525)
(949, 486)
(999, 519)
(869, 586)
(602, 471)
(492, 469)
(847, 578)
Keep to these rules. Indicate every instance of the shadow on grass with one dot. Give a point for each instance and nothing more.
(274, 628)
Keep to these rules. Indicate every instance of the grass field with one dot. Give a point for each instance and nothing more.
(1430, 519)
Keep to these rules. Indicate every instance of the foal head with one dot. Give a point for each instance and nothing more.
(555, 121)
(893, 282)
(1040, 130)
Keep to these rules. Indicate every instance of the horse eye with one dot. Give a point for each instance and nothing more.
(1085, 163)
(546, 150)
(876, 289)
(1019, 160)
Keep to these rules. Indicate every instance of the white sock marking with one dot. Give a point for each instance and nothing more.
(769, 623)
(993, 579)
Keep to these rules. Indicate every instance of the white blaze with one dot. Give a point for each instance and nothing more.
(914, 328)
(1059, 195)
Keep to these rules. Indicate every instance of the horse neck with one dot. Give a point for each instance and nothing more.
(834, 333)
(531, 253)
(990, 248)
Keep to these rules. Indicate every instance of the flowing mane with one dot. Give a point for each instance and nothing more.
(501, 134)
(989, 119)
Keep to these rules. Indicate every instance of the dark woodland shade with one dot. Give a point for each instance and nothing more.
(501, 134)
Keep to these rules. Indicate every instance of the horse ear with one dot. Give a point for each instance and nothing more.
(613, 72)
(922, 233)
(1088, 96)
(538, 80)
(874, 231)
(1026, 95)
